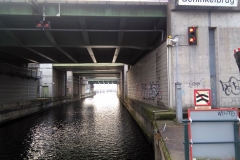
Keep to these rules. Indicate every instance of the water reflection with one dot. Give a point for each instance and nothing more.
(95, 128)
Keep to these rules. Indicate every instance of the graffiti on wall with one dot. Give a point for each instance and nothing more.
(201, 84)
(151, 92)
(232, 86)
(194, 84)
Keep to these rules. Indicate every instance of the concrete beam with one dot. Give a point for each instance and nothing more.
(52, 40)
(97, 71)
(83, 25)
(19, 56)
(117, 50)
(102, 78)
(88, 65)
(90, 51)
(52, 9)
(103, 82)
(120, 38)
(17, 41)
(81, 46)
(40, 54)
(7, 8)
(113, 10)
(99, 75)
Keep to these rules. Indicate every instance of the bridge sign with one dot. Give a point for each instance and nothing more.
(202, 98)
(208, 3)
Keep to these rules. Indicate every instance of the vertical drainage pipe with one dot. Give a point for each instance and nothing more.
(169, 72)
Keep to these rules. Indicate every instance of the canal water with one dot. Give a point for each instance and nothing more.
(91, 129)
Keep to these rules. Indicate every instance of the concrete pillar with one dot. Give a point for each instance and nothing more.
(125, 69)
(121, 84)
(46, 83)
(79, 85)
(84, 86)
(91, 88)
(69, 83)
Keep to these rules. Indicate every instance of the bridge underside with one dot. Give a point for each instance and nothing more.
(80, 33)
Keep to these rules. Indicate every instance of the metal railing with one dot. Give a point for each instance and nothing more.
(187, 142)
(20, 71)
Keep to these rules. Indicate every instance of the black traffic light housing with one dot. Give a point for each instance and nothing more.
(43, 24)
(192, 35)
(39, 24)
(237, 57)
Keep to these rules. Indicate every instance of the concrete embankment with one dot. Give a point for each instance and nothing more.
(151, 119)
(14, 111)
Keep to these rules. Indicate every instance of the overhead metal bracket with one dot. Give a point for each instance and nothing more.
(33, 4)
(59, 10)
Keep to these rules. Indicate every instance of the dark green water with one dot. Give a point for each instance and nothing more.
(93, 128)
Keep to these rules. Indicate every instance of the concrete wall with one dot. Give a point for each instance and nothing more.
(59, 79)
(194, 62)
(12, 111)
(147, 80)
(138, 112)
(17, 89)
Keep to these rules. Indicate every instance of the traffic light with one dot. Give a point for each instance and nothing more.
(46, 24)
(43, 24)
(39, 24)
(192, 35)
(237, 57)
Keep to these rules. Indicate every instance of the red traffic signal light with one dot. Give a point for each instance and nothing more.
(43, 24)
(39, 24)
(192, 35)
(46, 24)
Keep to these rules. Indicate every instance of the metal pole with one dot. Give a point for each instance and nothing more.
(236, 139)
(178, 88)
(178, 101)
(186, 141)
(44, 15)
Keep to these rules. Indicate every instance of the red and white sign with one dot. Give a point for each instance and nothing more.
(202, 98)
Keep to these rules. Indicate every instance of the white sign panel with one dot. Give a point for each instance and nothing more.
(219, 3)
(213, 132)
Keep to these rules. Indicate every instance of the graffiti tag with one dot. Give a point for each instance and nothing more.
(226, 113)
(231, 87)
(151, 91)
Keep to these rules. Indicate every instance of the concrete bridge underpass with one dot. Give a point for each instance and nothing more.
(76, 45)
(54, 52)
(61, 48)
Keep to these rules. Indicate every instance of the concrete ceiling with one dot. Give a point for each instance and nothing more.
(94, 72)
(80, 33)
